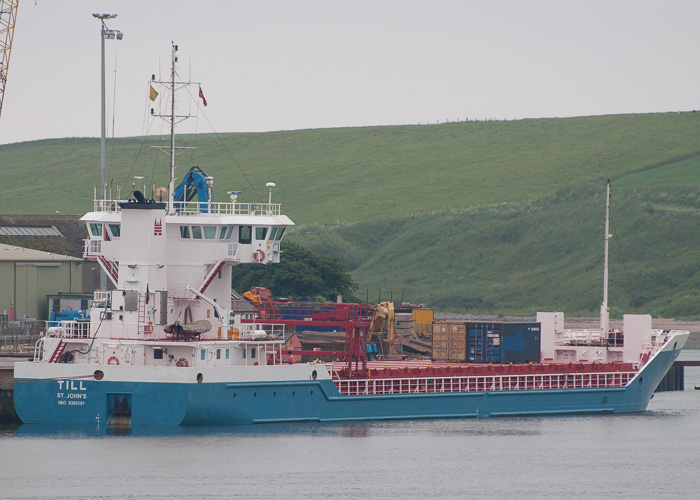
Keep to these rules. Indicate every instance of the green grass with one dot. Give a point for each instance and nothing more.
(521, 257)
(497, 217)
(333, 175)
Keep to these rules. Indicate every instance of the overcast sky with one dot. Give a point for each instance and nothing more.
(281, 65)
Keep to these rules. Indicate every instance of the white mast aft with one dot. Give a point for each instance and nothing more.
(604, 311)
(171, 182)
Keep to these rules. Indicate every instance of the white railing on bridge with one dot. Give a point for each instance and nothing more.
(68, 329)
(201, 207)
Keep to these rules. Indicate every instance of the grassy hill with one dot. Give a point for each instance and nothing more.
(479, 216)
(520, 257)
(335, 175)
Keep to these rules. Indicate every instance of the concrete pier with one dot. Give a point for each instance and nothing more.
(675, 378)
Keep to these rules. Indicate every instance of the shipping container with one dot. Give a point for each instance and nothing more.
(521, 342)
(440, 327)
(484, 342)
(449, 341)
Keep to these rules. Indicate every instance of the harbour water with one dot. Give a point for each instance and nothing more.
(651, 455)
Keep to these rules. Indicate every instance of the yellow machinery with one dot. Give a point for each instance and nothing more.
(423, 321)
(263, 300)
(381, 327)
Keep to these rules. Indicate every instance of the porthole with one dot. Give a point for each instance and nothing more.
(255, 394)
(314, 374)
(311, 393)
(200, 378)
(274, 394)
(641, 379)
(99, 374)
(294, 393)
(234, 395)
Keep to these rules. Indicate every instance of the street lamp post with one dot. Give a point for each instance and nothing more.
(105, 34)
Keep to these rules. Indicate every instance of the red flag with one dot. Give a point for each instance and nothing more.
(201, 95)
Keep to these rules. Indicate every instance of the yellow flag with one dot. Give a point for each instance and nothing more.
(154, 94)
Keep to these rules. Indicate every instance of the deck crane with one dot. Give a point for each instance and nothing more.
(8, 15)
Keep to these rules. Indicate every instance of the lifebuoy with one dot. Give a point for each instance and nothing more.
(148, 329)
(398, 339)
(259, 255)
(182, 362)
(255, 364)
(113, 360)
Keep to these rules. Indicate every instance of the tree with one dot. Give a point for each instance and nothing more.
(300, 274)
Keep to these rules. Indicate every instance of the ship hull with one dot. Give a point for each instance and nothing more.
(139, 396)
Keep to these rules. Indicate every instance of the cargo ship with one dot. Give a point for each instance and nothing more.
(169, 347)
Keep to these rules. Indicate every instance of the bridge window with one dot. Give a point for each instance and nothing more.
(197, 232)
(277, 233)
(96, 229)
(210, 232)
(225, 233)
(261, 233)
(116, 230)
(184, 231)
(245, 234)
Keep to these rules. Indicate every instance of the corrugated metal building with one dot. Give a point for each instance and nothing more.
(28, 276)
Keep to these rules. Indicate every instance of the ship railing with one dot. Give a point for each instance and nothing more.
(247, 331)
(92, 248)
(492, 383)
(656, 342)
(221, 252)
(593, 337)
(101, 298)
(580, 337)
(75, 329)
(333, 372)
(39, 350)
(201, 207)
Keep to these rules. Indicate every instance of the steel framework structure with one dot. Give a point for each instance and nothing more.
(8, 15)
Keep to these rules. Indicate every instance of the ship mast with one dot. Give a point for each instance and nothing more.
(171, 182)
(173, 119)
(604, 311)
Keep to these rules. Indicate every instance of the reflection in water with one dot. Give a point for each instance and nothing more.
(493, 458)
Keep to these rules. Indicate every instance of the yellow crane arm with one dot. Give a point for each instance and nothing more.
(8, 16)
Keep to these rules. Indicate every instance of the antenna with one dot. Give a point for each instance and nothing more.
(604, 311)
